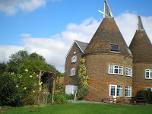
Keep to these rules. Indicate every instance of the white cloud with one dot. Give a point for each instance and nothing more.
(6, 51)
(11, 7)
(55, 48)
(127, 23)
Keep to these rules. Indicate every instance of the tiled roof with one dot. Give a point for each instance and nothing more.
(107, 33)
(81, 45)
(141, 47)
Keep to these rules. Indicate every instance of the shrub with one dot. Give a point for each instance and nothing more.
(60, 98)
(70, 97)
(145, 94)
(81, 93)
(8, 91)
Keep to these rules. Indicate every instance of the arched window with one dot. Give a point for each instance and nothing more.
(74, 59)
(72, 72)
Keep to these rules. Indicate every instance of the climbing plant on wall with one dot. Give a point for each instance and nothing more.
(82, 79)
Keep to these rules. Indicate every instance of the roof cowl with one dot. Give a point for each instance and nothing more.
(140, 24)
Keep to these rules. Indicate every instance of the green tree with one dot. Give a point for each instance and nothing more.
(2, 68)
(8, 91)
(25, 69)
(82, 79)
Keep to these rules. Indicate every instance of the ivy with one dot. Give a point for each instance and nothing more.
(82, 79)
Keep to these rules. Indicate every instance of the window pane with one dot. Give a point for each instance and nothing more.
(151, 74)
(121, 70)
(74, 59)
(111, 69)
(116, 71)
(147, 74)
(112, 91)
(119, 90)
(72, 72)
(128, 91)
(128, 72)
(114, 47)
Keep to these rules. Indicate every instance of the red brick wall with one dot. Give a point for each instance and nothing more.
(99, 79)
(71, 80)
(139, 81)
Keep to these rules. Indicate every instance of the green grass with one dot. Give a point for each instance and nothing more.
(81, 108)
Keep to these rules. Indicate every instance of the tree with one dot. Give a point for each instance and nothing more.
(82, 79)
(9, 92)
(2, 68)
(25, 68)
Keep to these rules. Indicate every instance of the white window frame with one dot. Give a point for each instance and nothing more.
(150, 73)
(128, 71)
(149, 89)
(73, 72)
(112, 69)
(120, 90)
(128, 91)
(74, 59)
(116, 89)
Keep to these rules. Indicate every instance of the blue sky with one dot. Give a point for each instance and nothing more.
(53, 17)
(26, 21)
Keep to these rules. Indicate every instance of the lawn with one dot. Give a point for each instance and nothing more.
(82, 108)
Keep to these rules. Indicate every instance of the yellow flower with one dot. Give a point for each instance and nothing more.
(26, 70)
(25, 88)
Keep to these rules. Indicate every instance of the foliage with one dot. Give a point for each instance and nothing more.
(8, 91)
(2, 68)
(145, 94)
(70, 97)
(60, 98)
(24, 69)
(82, 80)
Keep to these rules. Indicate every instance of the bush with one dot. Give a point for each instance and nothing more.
(70, 97)
(144, 94)
(8, 91)
(60, 98)
(81, 93)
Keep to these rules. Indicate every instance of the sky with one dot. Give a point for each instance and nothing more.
(49, 27)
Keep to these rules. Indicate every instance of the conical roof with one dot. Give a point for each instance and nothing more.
(107, 34)
(141, 46)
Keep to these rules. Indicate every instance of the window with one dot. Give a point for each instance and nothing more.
(128, 71)
(119, 90)
(149, 89)
(115, 90)
(112, 90)
(70, 89)
(72, 72)
(74, 59)
(148, 73)
(115, 47)
(115, 69)
(128, 91)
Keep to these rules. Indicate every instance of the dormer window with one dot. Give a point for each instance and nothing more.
(74, 59)
(115, 48)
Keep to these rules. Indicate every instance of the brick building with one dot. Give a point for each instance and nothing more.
(114, 69)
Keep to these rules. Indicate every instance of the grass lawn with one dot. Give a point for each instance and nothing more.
(82, 108)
